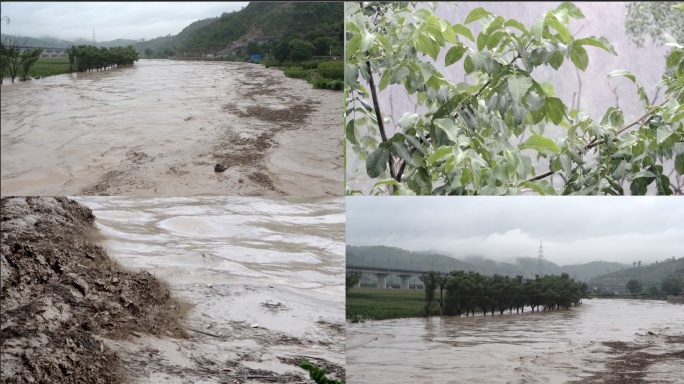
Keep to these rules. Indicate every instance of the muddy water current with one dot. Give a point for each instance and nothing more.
(263, 277)
(159, 128)
(547, 347)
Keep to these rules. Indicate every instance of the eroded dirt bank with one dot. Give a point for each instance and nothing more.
(61, 293)
(71, 314)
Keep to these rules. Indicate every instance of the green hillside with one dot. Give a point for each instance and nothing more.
(647, 275)
(283, 20)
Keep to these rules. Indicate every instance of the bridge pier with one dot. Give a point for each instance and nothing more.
(405, 281)
(382, 279)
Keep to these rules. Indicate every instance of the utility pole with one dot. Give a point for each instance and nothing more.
(93, 36)
(541, 256)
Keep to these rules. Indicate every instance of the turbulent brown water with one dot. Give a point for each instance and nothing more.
(263, 277)
(159, 127)
(554, 347)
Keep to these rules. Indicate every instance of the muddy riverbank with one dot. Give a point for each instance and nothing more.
(160, 127)
(69, 308)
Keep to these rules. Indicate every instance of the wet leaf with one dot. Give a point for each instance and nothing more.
(377, 162)
(541, 144)
(579, 57)
(454, 54)
(476, 14)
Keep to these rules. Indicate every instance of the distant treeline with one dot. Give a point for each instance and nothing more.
(84, 58)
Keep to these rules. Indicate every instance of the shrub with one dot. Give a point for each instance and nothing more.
(333, 70)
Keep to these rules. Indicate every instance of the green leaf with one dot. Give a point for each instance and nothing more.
(534, 101)
(600, 42)
(415, 143)
(556, 60)
(515, 24)
(402, 151)
(468, 65)
(438, 154)
(425, 44)
(642, 174)
(623, 72)
(454, 54)
(572, 9)
(673, 58)
(542, 187)
(350, 132)
(367, 41)
(462, 30)
(476, 14)
(353, 46)
(386, 44)
(537, 29)
(377, 162)
(386, 182)
(679, 164)
(541, 144)
(518, 86)
(448, 126)
(561, 29)
(579, 57)
(555, 109)
(662, 134)
(679, 6)
(385, 78)
(566, 164)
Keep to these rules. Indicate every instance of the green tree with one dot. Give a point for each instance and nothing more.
(633, 286)
(148, 52)
(671, 286)
(473, 137)
(27, 59)
(430, 282)
(300, 50)
(352, 279)
(655, 19)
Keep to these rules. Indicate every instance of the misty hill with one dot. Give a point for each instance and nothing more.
(652, 274)
(382, 256)
(304, 20)
(50, 42)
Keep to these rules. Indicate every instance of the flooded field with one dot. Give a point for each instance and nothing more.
(601, 341)
(160, 127)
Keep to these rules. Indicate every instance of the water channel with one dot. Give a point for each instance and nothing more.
(546, 347)
(159, 128)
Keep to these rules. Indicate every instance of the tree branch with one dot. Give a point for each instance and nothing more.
(381, 124)
(596, 142)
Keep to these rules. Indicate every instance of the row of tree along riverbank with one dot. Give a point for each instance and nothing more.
(27, 64)
(465, 293)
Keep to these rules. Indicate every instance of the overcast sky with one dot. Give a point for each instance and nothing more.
(574, 230)
(127, 20)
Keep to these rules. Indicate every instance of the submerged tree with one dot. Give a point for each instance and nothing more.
(471, 137)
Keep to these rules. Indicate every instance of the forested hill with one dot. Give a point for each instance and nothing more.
(528, 267)
(172, 43)
(647, 275)
(284, 20)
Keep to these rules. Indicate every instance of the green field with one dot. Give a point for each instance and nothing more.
(380, 304)
(46, 66)
(49, 66)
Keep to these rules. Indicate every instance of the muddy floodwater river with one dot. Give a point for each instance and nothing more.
(548, 347)
(160, 127)
(263, 278)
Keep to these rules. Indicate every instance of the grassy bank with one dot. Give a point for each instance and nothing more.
(381, 304)
(320, 74)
